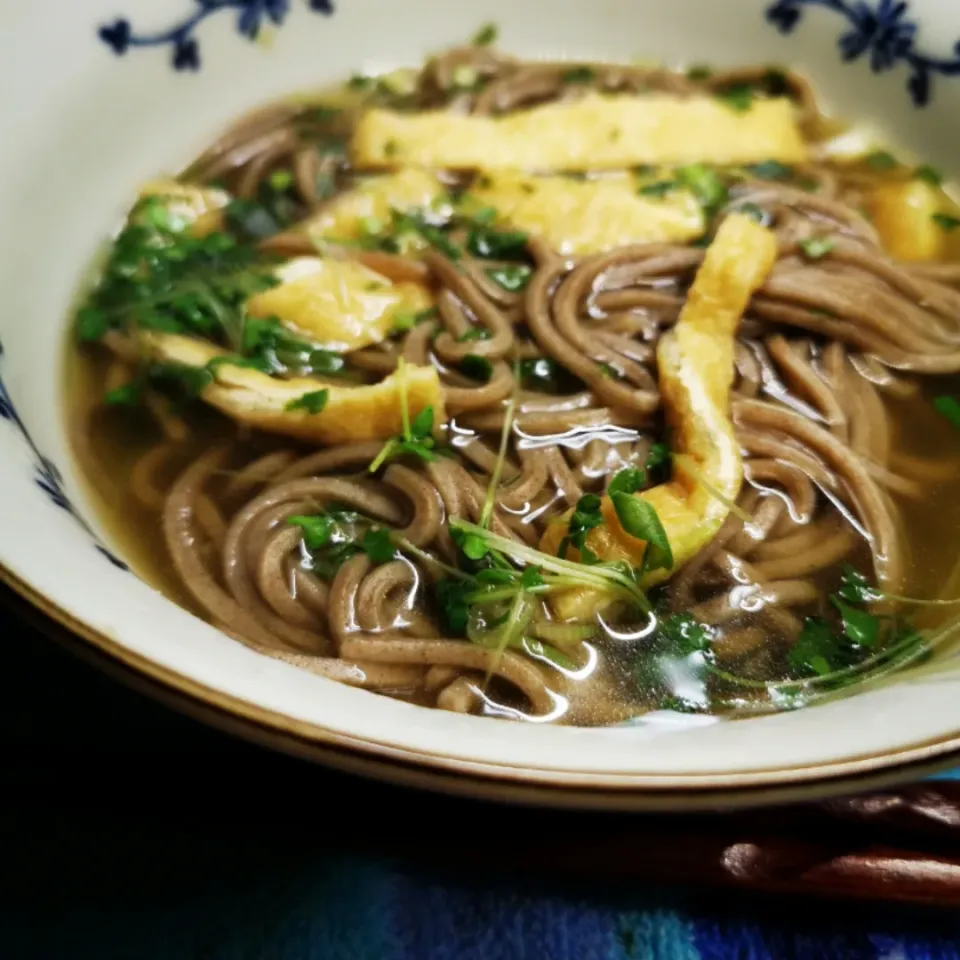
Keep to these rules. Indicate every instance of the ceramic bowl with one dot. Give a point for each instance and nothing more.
(103, 94)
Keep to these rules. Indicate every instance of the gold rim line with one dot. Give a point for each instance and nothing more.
(314, 736)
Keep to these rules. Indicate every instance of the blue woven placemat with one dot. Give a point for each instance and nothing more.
(129, 832)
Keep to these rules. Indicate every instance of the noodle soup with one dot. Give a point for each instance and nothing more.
(545, 391)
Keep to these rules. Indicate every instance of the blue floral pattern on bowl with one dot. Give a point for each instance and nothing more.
(47, 475)
(120, 35)
(883, 31)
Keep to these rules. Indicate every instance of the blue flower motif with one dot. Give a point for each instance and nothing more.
(186, 54)
(918, 86)
(784, 15)
(48, 476)
(251, 14)
(50, 480)
(7, 412)
(117, 36)
(112, 557)
(884, 31)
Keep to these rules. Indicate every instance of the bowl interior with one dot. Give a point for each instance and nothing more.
(86, 129)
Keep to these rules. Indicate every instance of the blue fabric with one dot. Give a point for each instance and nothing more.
(128, 832)
(278, 907)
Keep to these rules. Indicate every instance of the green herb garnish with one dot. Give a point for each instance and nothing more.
(416, 438)
(127, 395)
(882, 160)
(855, 588)
(616, 578)
(659, 188)
(706, 186)
(273, 349)
(476, 367)
(486, 35)
(629, 480)
(946, 221)
(161, 278)
(812, 654)
(316, 530)
(378, 546)
(473, 546)
(699, 72)
(512, 277)
(334, 535)
(406, 320)
(493, 244)
(313, 402)
(770, 170)
(682, 634)
(859, 626)
(948, 407)
(639, 519)
(658, 456)
(753, 211)
(453, 599)
(580, 75)
(585, 517)
(416, 222)
(815, 248)
(474, 334)
(929, 175)
(545, 375)
(738, 97)
(280, 180)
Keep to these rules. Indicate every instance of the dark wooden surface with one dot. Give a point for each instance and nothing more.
(77, 747)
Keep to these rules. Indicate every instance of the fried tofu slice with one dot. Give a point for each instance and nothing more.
(349, 414)
(695, 362)
(589, 216)
(596, 132)
(198, 209)
(367, 207)
(340, 305)
(903, 213)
